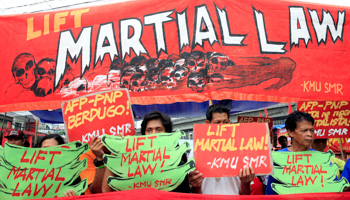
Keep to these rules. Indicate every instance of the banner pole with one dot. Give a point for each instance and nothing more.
(341, 149)
(2, 126)
(36, 131)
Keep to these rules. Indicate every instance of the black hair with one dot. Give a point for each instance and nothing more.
(297, 116)
(281, 138)
(155, 114)
(57, 137)
(216, 108)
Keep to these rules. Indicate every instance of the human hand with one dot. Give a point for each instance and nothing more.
(96, 147)
(69, 193)
(195, 178)
(246, 175)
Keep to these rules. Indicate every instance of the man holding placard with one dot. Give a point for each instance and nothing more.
(219, 114)
(153, 126)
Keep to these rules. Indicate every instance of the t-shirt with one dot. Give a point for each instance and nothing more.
(90, 171)
(269, 190)
(221, 185)
(346, 171)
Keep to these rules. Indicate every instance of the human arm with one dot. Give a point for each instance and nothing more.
(195, 178)
(246, 175)
(105, 186)
(96, 147)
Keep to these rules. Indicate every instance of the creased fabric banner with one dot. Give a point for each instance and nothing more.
(176, 51)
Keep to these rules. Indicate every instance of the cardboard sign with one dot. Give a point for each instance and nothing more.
(37, 173)
(269, 121)
(98, 114)
(150, 161)
(332, 118)
(302, 172)
(222, 150)
(177, 51)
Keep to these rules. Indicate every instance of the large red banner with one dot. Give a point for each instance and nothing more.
(332, 118)
(176, 51)
(223, 150)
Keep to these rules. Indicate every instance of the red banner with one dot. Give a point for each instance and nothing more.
(223, 150)
(98, 114)
(176, 51)
(153, 194)
(332, 118)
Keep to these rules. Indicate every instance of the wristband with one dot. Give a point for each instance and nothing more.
(98, 163)
(100, 167)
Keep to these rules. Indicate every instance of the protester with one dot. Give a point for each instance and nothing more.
(95, 167)
(283, 141)
(300, 127)
(154, 122)
(16, 137)
(219, 114)
(51, 140)
(320, 145)
(54, 140)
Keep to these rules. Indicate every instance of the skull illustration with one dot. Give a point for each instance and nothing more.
(152, 63)
(152, 78)
(113, 78)
(196, 82)
(45, 68)
(99, 83)
(180, 74)
(216, 78)
(79, 85)
(165, 63)
(23, 70)
(166, 77)
(197, 61)
(125, 79)
(218, 62)
(44, 87)
(181, 62)
(138, 82)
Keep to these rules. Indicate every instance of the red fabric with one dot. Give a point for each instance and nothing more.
(305, 68)
(153, 194)
(266, 114)
(257, 187)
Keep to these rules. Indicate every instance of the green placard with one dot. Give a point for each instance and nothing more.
(302, 172)
(134, 143)
(147, 161)
(41, 172)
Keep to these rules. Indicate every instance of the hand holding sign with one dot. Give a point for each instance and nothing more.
(302, 172)
(146, 161)
(41, 172)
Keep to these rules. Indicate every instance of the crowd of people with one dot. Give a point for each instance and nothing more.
(299, 125)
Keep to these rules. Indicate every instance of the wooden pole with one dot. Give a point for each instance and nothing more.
(210, 102)
(341, 149)
(36, 131)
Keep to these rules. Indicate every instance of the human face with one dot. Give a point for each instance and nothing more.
(16, 141)
(49, 143)
(218, 118)
(303, 136)
(154, 126)
(284, 143)
(319, 144)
